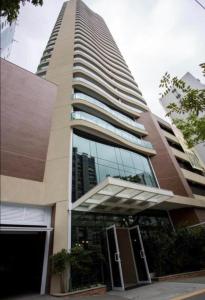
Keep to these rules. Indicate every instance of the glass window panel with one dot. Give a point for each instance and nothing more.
(107, 163)
(126, 158)
(103, 160)
(118, 155)
(82, 145)
(106, 152)
(93, 150)
(137, 161)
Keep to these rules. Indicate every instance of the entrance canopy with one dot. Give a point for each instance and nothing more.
(114, 195)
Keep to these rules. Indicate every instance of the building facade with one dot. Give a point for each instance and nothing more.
(110, 173)
(174, 96)
(7, 37)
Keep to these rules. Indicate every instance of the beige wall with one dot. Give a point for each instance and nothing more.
(57, 165)
(54, 188)
(17, 190)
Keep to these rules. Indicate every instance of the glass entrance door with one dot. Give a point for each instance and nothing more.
(114, 258)
(139, 255)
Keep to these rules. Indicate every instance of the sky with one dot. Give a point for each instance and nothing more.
(154, 36)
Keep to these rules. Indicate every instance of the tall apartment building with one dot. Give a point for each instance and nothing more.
(7, 37)
(111, 167)
(174, 96)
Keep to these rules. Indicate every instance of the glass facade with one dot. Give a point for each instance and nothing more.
(105, 107)
(89, 230)
(80, 115)
(93, 161)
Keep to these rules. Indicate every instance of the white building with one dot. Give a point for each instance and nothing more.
(7, 37)
(175, 95)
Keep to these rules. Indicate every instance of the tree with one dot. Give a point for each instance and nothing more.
(60, 263)
(83, 262)
(10, 8)
(192, 103)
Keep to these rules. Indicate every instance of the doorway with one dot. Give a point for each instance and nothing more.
(22, 256)
(127, 259)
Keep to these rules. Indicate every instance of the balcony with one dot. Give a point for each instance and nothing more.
(179, 154)
(113, 112)
(170, 136)
(193, 176)
(114, 90)
(88, 84)
(121, 133)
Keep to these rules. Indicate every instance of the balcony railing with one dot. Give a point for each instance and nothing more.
(79, 115)
(118, 102)
(113, 112)
(104, 82)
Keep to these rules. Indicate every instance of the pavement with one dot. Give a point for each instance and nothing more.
(171, 290)
(179, 289)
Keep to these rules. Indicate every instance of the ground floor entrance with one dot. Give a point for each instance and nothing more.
(127, 258)
(24, 238)
(122, 240)
(22, 256)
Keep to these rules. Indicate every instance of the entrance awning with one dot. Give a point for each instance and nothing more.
(119, 196)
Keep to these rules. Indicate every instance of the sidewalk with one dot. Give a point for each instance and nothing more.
(161, 291)
(157, 291)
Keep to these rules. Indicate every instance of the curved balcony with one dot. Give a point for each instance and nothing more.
(107, 77)
(101, 43)
(101, 26)
(43, 66)
(97, 48)
(93, 77)
(50, 44)
(104, 52)
(97, 29)
(80, 48)
(47, 52)
(107, 39)
(80, 23)
(81, 100)
(79, 115)
(79, 81)
(81, 56)
(78, 42)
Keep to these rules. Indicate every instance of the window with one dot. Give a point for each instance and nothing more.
(94, 160)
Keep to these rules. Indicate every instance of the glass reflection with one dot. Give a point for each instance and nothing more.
(115, 113)
(94, 161)
(80, 115)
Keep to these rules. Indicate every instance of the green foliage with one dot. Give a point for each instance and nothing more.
(82, 262)
(59, 261)
(192, 103)
(85, 265)
(193, 129)
(10, 8)
(175, 252)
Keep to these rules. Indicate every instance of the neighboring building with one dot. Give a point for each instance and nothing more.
(109, 166)
(174, 96)
(194, 177)
(7, 37)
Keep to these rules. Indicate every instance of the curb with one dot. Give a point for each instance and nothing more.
(187, 296)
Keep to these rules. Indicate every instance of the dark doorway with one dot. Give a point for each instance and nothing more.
(21, 262)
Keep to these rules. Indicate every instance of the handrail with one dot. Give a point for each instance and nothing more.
(79, 115)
